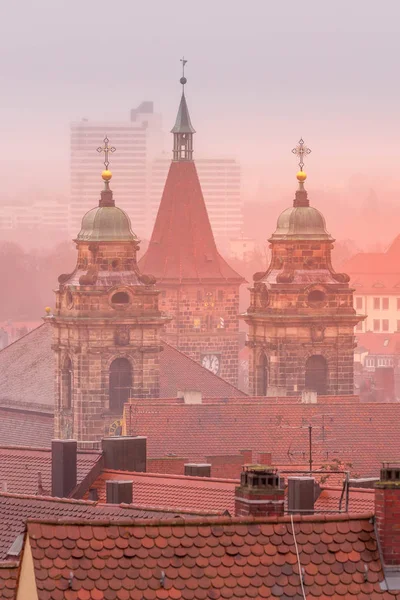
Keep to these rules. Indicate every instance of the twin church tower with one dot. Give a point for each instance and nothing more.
(112, 312)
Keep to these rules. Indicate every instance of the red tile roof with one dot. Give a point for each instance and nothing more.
(212, 494)
(360, 500)
(15, 509)
(175, 491)
(361, 434)
(182, 246)
(20, 468)
(222, 558)
(379, 343)
(8, 579)
(28, 385)
(27, 370)
(179, 372)
(27, 428)
(377, 272)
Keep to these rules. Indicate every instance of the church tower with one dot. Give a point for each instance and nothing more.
(198, 287)
(106, 325)
(301, 318)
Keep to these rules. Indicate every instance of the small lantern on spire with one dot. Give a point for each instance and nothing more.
(183, 129)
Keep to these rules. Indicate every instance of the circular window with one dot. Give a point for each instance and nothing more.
(316, 298)
(120, 298)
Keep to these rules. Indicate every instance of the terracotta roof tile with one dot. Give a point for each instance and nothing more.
(26, 428)
(8, 579)
(182, 246)
(179, 372)
(342, 430)
(376, 271)
(20, 468)
(222, 572)
(27, 385)
(379, 343)
(19, 364)
(174, 491)
(360, 500)
(15, 509)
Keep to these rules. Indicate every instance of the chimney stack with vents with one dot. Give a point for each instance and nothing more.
(301, 495)
(125, 453)
(119, 492)
(198, 469)
(63, 467)
(260, 493)
(387, 513)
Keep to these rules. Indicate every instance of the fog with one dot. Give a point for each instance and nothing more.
(260, 75)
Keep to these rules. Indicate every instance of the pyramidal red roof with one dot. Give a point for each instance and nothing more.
(182, 246)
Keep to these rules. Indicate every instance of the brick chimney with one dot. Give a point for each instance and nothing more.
(198, 469)
(387, 512)
(259, 493)
(63, 467)
(125, 453)
(301, 495)
(119, 492)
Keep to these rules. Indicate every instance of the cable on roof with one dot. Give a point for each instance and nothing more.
(301, 572)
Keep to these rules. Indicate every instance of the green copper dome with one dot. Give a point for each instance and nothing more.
(106, 224)
(301, 222)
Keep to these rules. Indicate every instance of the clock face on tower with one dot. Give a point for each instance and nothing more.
(212, 362)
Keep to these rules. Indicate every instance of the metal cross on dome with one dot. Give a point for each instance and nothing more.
(183, 61)
(301, 150)
(106, 149)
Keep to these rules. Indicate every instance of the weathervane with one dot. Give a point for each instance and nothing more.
(301, 150)
(106, 149)
(183, 79)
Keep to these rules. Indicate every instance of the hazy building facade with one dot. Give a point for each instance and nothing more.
(376, 279)
(301, 317)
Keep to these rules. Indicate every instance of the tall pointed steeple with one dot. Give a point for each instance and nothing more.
(199, 288)
(183, 129)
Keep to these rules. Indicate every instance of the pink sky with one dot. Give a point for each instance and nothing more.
(261, 74)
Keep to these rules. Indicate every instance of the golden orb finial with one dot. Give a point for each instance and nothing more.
(47, 310)
(301, 176)
(106, 175)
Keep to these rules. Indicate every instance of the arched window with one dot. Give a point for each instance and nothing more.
(317, 374)
(66, 384)
(120, 384)
(262, 376)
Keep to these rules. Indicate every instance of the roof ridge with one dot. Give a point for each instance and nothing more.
(49, 498)
(318, 518)
(171, 476)
(43, 449)
(23, 336)
(199, 365)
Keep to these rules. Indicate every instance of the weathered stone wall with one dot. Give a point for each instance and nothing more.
(205, 321)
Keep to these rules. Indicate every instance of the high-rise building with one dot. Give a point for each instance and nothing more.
(136, 142)
(44, 213)
(198, 287)
(221, 184)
